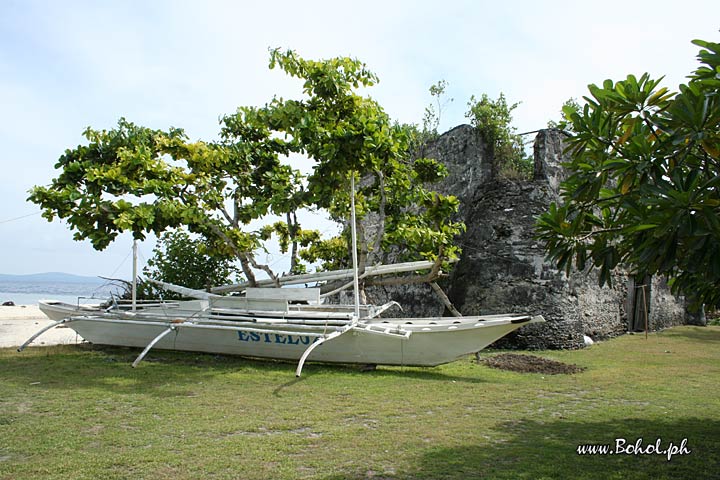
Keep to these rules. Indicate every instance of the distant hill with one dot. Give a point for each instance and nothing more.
(51, 277)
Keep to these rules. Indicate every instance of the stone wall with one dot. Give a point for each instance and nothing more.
(468, 160)
(666, 310)
(503, 268)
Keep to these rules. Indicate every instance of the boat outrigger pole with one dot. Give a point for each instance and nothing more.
(152, 344)
(43, 330)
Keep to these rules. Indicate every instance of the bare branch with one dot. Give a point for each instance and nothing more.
(264, 268)
(376, 253)
(227, 216)
(293, 230)
(244, 261)
(362, 246)
(445, 299)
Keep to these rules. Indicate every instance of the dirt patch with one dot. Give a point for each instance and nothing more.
(530, 364)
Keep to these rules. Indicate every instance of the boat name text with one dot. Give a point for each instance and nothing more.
(275, 338)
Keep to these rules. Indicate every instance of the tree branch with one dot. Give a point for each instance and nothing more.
(244, 261)
(596, 232)
(362, 246)
(227, 216)
(376, 254)
(293, 230)
(264, 268)
(445, 299)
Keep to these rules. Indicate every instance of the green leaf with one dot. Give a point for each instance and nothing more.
(659, 150)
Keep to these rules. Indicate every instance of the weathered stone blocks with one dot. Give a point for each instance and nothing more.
(503, 268)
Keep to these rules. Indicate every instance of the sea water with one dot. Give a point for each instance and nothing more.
(28, 293)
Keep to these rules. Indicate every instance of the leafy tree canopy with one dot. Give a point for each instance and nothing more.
(570, 106)
(140, 180)
(643, 186)
(492, 118)
(186, 260)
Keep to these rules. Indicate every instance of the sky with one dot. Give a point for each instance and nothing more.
(65, 66)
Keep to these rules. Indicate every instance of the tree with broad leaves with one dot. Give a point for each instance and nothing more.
(182, 259)
(643, 189)
(140, 180)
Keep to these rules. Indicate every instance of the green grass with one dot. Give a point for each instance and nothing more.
(75, 412)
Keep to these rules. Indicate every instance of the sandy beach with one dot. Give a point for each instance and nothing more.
(19, 323)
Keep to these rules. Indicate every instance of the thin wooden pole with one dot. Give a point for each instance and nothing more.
(646, 311)
(356, 283)
(371, 270)
(134, 279)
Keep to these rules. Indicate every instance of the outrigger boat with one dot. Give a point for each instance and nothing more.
(289, 324)
(269, 323)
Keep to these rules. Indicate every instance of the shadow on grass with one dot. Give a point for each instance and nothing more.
(84, 365)
(548, 450)
(416, 373)
(700, 334)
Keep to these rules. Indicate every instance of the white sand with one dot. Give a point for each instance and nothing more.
(19, 323)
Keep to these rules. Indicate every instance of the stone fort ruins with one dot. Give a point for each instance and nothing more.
(503, 269)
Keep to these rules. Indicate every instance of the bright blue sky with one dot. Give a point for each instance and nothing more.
(68, 65)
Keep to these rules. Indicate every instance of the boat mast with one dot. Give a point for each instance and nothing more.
(134, 276)
(356, 286)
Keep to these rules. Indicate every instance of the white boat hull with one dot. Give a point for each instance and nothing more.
(55, 310)
(426, 345)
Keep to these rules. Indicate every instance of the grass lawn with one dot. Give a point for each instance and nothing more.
(77, 412)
